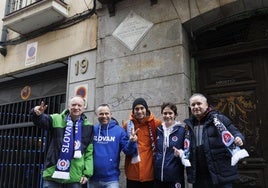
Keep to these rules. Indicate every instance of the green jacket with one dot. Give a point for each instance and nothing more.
(56, 124)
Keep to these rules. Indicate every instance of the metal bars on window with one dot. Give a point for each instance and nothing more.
(23, 145)
(15, 5)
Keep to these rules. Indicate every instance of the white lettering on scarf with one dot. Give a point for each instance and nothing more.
(66, 138)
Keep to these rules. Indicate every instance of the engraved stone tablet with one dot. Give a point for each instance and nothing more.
(132, 30)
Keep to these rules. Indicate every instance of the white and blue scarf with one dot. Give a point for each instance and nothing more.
(228, 141)
(71, 148)
(184, 154)
(135, 157)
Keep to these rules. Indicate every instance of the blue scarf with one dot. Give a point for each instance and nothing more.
(71, 148)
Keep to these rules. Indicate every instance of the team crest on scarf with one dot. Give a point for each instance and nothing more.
(227, 138)
(63, 164)
(186, 144)
(228, 141)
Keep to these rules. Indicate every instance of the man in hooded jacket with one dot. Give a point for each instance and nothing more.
(139, 169)
(109, 140)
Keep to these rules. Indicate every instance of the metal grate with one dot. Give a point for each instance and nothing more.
(23, 145)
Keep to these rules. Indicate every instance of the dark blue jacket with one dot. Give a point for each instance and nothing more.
(167, 167)
(217, 156)
(108, 143)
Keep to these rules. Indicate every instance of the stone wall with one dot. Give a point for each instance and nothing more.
(157, 69)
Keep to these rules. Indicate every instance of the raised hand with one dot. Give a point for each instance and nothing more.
(40, 109)
(133, 136)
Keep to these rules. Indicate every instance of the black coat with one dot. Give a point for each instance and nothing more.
(217, 156)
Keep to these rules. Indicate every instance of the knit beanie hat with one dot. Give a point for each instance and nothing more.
(139, 101)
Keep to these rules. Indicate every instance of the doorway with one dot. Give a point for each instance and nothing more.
(237, 86)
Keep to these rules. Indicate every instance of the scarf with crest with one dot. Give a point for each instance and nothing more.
(71, 148)
(228, 141)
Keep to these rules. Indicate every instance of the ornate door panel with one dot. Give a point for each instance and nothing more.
(236, 87)
(240, 107)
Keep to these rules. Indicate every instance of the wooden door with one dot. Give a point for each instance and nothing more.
(238, 87)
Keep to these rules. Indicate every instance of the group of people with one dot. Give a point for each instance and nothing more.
(156, 152)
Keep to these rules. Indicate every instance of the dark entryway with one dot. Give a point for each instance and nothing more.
(231, 66)
(237, 86)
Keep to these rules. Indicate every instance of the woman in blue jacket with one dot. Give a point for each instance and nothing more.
(168, 169)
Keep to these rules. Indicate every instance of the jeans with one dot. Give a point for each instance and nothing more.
(52, 184)
(102, 184)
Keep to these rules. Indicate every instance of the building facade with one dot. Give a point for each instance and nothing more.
(113, 51)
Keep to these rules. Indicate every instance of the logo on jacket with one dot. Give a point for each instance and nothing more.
(104, 138)
(177, 185)
(174, 138)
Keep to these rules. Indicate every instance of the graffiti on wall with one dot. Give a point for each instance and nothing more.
(119, 100)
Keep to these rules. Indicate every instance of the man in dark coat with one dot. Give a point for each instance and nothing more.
(209, 155)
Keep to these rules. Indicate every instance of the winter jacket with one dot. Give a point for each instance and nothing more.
(109, 141)
(167, 167)
(56, 124)
(216, 156)
(143, 170)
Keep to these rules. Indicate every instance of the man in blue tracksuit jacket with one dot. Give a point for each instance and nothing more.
(109, 140)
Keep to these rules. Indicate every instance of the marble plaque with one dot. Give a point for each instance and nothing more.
(132, 29)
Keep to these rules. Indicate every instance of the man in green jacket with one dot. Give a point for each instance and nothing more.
(69, 158)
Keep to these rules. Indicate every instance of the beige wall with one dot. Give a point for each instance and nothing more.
(82, 36)
(53, 45)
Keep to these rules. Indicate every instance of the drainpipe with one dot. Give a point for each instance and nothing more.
(3, 49)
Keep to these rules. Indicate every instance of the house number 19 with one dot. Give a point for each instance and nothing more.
(81, 67)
